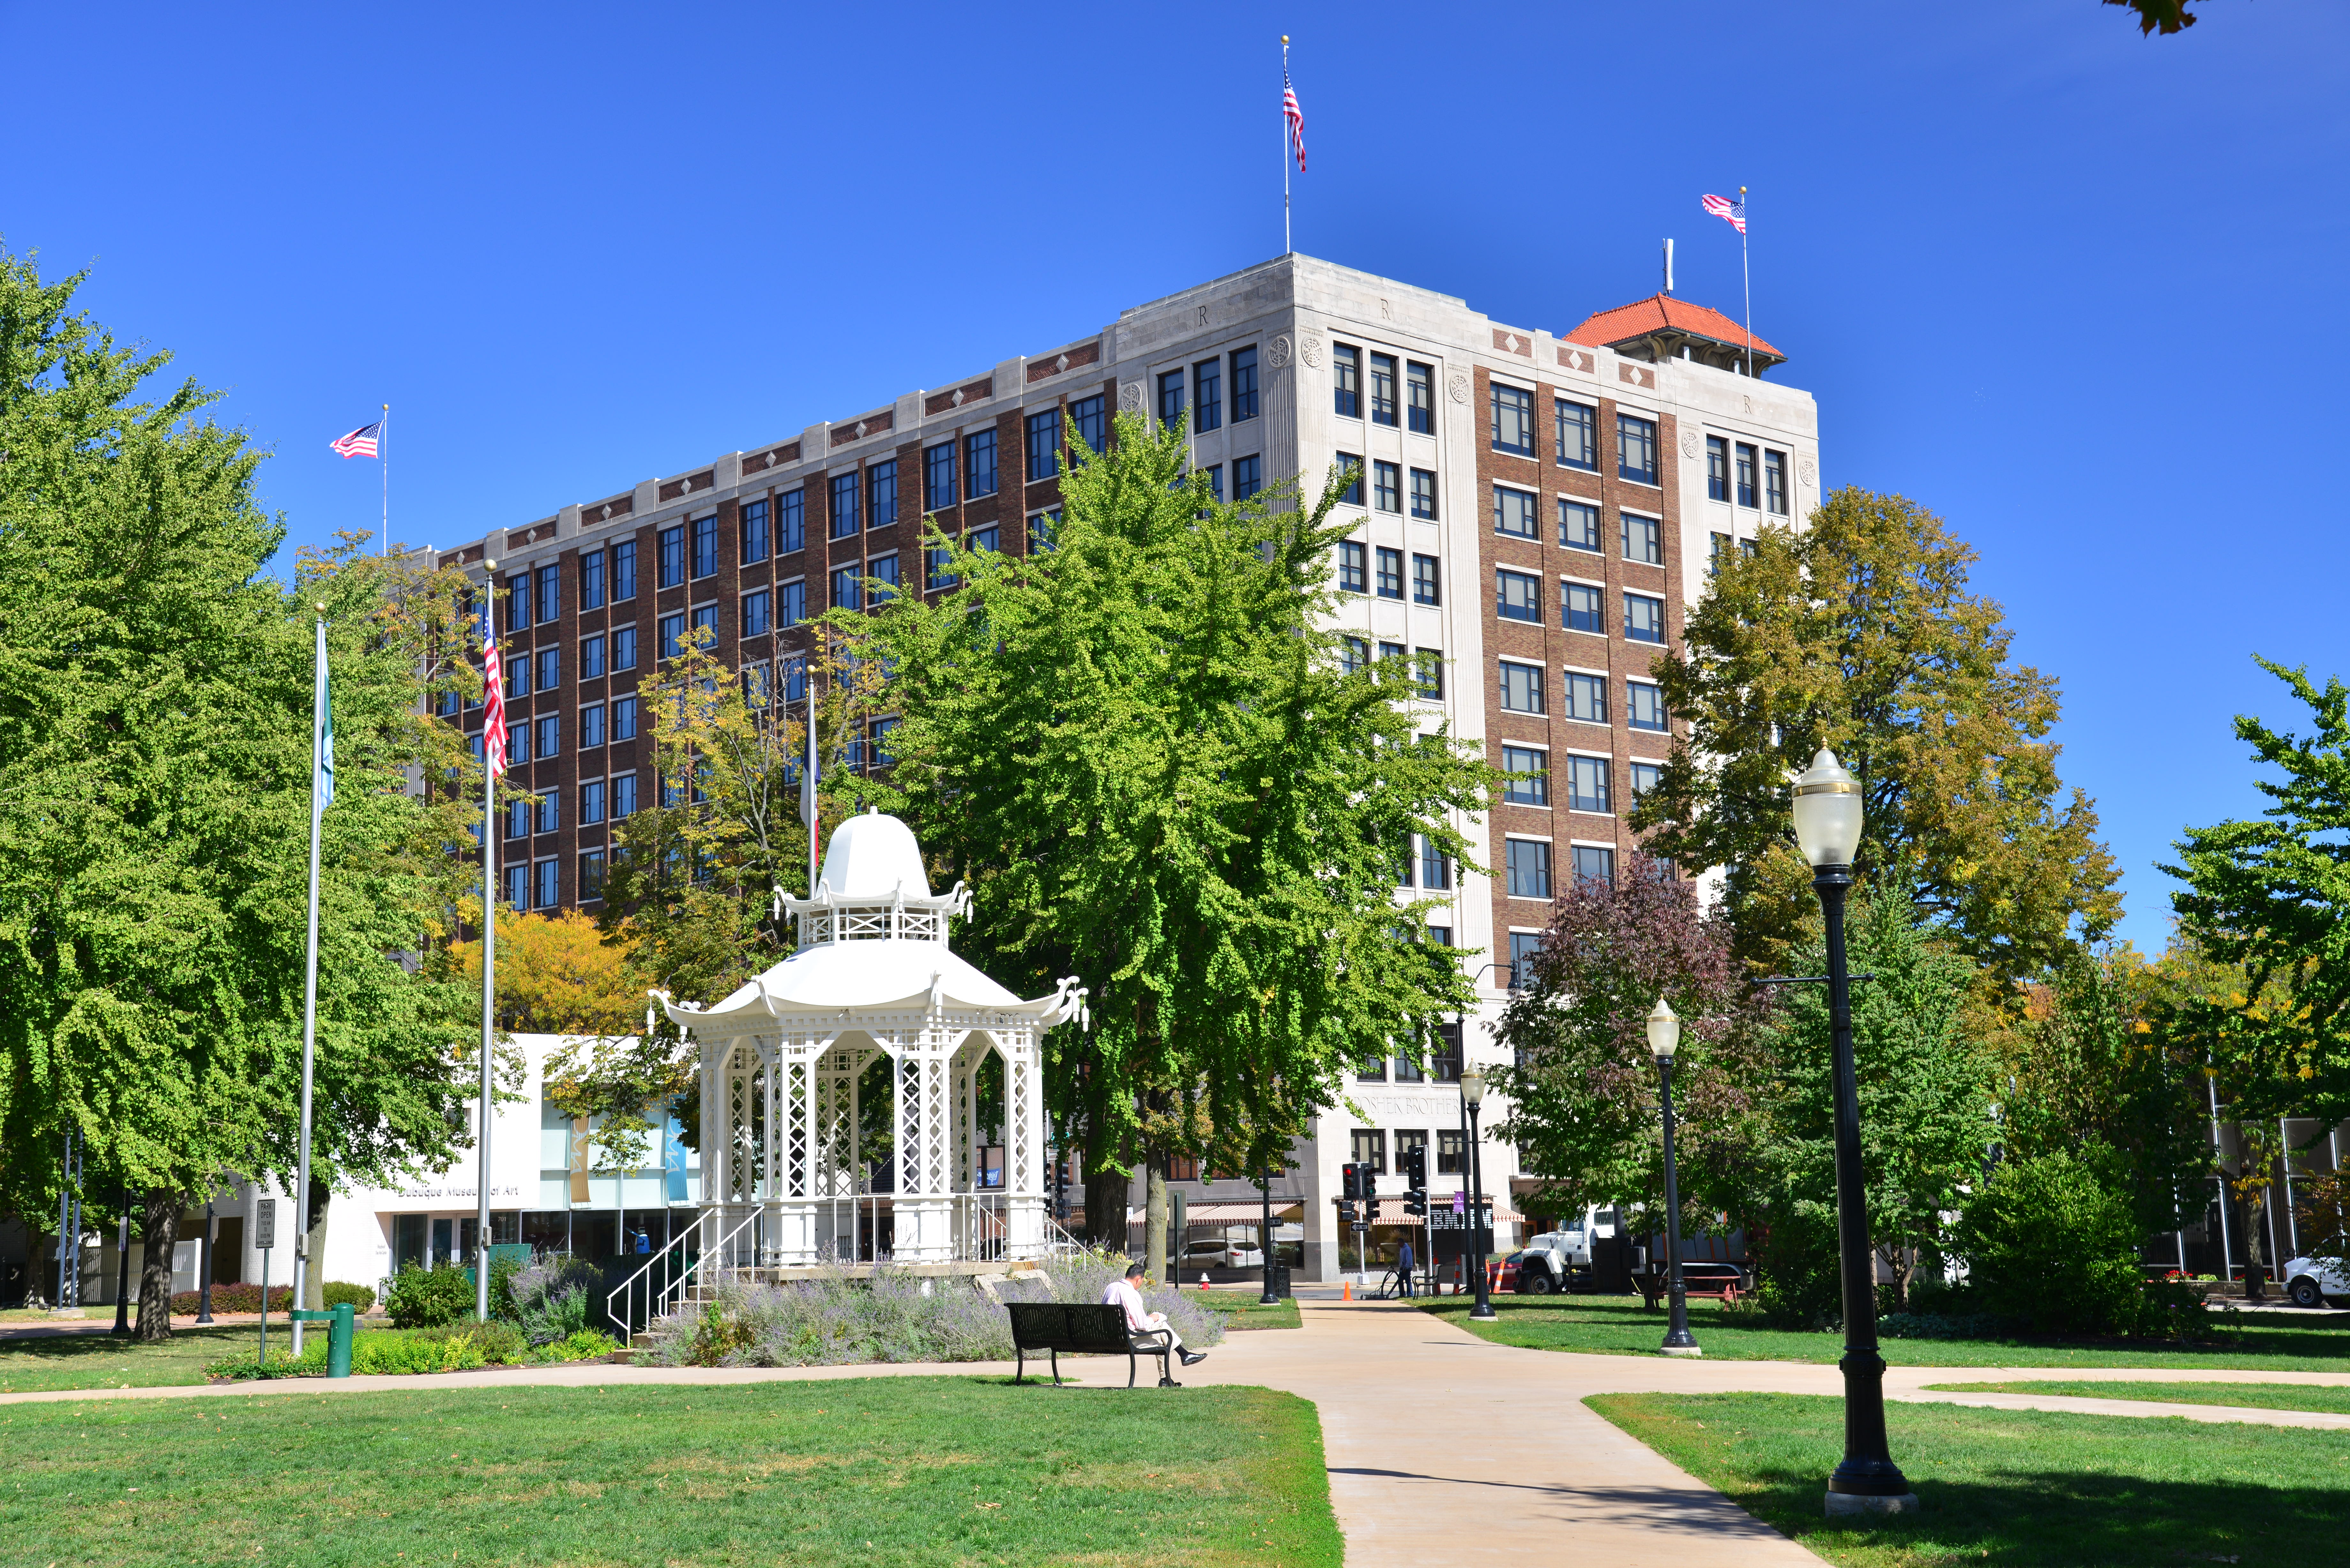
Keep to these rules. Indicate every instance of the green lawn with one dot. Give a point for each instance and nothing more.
(869, 1471)
(1620, 1325)
(2020, 1488)
(1247, 1312)
(2257, 1396)
(33, 1362)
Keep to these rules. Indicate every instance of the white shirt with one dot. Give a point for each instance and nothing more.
(1122, 1294)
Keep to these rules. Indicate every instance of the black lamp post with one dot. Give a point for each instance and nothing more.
(1827, 808)
(1264, 1192)
(1664, 1038)
(1472, 1090)
(205, 1266)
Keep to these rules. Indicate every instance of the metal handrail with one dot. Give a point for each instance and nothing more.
(657, 1304)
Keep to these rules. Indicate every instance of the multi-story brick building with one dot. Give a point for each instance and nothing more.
(1536, 511)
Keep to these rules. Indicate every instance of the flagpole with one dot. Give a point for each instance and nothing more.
(1285, 247)
(1746, 278)
(318, 731)
(489, 967)
(815, 812)
(384, 439)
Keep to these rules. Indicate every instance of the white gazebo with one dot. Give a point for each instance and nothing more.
(785, 1183)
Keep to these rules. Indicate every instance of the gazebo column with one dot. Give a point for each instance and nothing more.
(924, 1208)
(1025, 1197)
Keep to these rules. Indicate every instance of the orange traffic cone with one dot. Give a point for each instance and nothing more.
(1345, 1290)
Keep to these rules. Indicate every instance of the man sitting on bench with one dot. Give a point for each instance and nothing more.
(1123, 1293)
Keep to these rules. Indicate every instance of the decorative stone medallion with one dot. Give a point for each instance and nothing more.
(1309, 349)
(1808, 471)
(1688, 443)
(1459, 387)
(1129, 398)
(1277, 353)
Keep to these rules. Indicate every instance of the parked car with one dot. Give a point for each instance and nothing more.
(1226, 1254)
(1551, 1260)
(2310, 1281)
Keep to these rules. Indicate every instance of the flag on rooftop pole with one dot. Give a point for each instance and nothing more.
(322, 790)
(1734, 215)
(360, 442)
(1292, 139)
(1729, 212)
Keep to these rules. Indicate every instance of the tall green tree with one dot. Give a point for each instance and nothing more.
(1858, 633)
(1161, 774)
(155, 696)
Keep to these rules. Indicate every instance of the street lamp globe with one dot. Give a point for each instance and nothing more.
(1827, 812)
(1472, 1085)
(1664, 1031)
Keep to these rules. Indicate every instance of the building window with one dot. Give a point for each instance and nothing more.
(1644, 777)
(1529, 775)
(1517, 596)
(518, 887)
(1088, 419)
(790, 520)
(1246, 480)
(1522, 688)
(1774, 482)
(1514, 419)
(548, 812)
(1045, 532)
(792, 598)
(1513, 512)
(673, 556)
(1647, 703)
(879, 732)
(1347, 382)
(758, 613)
(518, 742)
(518, 817)
(1215, 472)
(794, 673)
(547, 894)
(754, 527)
(1449, 1147)
(1428, 670)
(758, 686)
(1587, 783)
(1352, 466)
(1426, 582)
(1717, 469)
(624, 648)
(1721, 553)
(1207, 396)
(848, 587)
(1383, 389)
(1386, 486)
(624, 570)
(1390, 573)
(1745, 474)
(882, 495)
(1353, 567)
(1529, 863)
(518, 602)
(1578, 435)
(673, 635)
(883, 569)
(591, 725)
(843, 505)
(1423, 494)
(1392, 650)
(1370, 1144)
(936, 568)
(1644, 618)
(1447, 1061)
(518, 677)
(624, 796)
(1582, 608)
(938, 476)
(705, 546)
(1403, 863)
(1594, 864)
(591, 579)
(1243, 384)
(624, 718)
(1636, 449)
(1171, 399)
(1419, 397)
(1584, 697)
(1578, 526)
(1435, 866)
(1440, 936)
(550, 589)
(1353, 655)
(592, 875)
(1044, 445)
(550, 668)
(1643, 538)
(979, 464)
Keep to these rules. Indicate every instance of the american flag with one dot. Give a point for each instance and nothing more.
(494, 714)
(1730, 212)
(1296, 116)
(360, 442)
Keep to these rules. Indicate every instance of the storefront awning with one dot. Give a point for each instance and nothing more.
(1391, 1212)
(1283, 1208)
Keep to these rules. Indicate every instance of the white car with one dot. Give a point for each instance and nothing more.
(2310, 1281)
(1223, 1255)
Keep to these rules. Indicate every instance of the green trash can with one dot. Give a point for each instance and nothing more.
(340, 1322)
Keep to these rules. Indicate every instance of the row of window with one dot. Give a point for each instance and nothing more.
(1387, 487)
(1582, 698)
(1724, 479)
(1584, 783)
(1370, 1144)
(1349, 386)
(1517, 596)
(1427, 664)
(1529, 863)
(1642, 538)
(1355, 575)
(1574, 435)
(1207, 393)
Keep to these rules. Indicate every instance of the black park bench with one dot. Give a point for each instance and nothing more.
(1086, 1330)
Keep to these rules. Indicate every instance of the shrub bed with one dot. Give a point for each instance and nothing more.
(242, 1297)
(398, 1352)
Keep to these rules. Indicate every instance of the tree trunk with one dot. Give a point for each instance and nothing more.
(314, 1273)
(1106, 1191)
(1154, 1224)
(160, 1229)
(2256, 1219)
(37, 1282)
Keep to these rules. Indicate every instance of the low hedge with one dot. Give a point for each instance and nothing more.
(398, 1352)
(241, 1297)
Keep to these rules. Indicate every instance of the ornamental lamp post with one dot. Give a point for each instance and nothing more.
(1472, 1091)
(1827, 812)
(1664, 1038)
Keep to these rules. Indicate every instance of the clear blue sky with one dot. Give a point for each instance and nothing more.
(2077, 290)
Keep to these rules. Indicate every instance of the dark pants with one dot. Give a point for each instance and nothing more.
(1404, 1271)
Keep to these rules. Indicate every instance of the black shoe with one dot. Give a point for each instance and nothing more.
(1193, 1358)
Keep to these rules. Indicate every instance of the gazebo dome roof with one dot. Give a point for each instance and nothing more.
(874, 857)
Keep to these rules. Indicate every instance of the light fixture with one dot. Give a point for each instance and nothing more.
(1664, 1031)
(1472, 1085)
(1827, 812)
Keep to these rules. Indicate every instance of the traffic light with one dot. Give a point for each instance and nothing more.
(1354, 1182)
(1346, 1210)
(1415, 1172)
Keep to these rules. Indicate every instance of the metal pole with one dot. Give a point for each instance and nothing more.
(1483, 1311)
(1265, 1192)
(2227, 1249)
(1677, 1339)
(205, 1266)
(2284, 1165)
(309, 974)
(1285, 246)
(489, 1016)
(1868, 1481)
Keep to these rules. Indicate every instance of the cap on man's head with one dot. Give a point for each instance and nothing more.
(1132, 1270)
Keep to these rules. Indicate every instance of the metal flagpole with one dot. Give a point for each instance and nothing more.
(489, 968)
(383, 446)
(1746, 278)
(322, 771)
(1285, 246)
